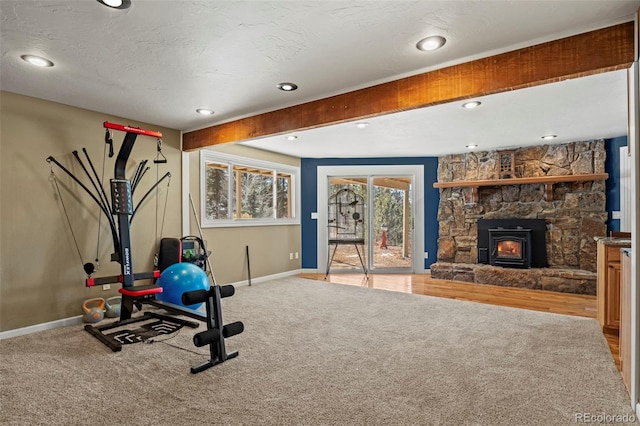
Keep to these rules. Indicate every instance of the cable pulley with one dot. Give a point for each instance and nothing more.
(160, 158)
(89, 268)
(108, 141)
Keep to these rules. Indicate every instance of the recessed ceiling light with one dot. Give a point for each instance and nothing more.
(471, 104)
(549, 137)
(287, 87)
(204, 111)
(38, 61)
(292, 137)
(431, 43)
(472, 146)
(361, 125)
(116, 4)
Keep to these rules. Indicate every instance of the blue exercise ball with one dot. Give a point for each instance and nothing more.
(180, 278)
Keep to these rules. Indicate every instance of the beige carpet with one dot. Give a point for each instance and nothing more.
(316, 353)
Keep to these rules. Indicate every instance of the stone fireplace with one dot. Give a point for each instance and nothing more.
(572, 218)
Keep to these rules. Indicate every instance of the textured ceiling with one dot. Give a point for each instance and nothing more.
(158, 61)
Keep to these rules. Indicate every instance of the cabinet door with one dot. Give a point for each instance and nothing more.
(612, 315)
(625, 321)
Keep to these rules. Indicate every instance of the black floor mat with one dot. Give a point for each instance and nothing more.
(147, 331)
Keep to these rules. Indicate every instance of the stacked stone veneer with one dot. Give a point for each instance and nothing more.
(574, 217)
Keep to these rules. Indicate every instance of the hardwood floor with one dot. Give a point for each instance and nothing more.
(537, 300)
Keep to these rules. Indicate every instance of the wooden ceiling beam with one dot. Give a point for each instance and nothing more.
(402, 184)
(388, 183)
(599, 51)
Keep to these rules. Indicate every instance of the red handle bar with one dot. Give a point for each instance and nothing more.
(130, 129)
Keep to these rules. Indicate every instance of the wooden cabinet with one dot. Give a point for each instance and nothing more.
(609, 283)
(625, 318)
(612, 290)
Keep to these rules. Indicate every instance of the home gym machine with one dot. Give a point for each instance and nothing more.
(121, 207)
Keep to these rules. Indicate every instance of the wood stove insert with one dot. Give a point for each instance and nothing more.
(510, 248)
(512, 243)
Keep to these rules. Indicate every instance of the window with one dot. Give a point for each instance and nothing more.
(217, 191)
(283, 195)
(238, 191)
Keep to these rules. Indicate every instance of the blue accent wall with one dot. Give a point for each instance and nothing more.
(309, 201)
(612, 167)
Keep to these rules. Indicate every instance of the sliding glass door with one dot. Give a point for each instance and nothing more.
(347, 224)
(392, 220)
(380, 239)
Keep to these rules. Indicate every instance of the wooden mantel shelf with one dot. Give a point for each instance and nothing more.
(547, 181)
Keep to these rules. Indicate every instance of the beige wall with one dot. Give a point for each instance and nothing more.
(41, 276)
(269, 246)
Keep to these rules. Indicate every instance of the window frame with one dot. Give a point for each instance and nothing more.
(207, 156)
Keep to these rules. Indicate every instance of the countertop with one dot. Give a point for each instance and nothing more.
(612, 241)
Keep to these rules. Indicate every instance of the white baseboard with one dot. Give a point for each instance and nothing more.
(266, 278)
(41, 327)
(78, 319)
(317, 271)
